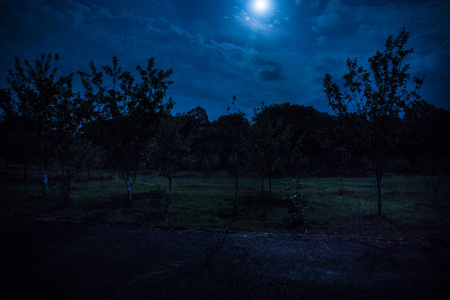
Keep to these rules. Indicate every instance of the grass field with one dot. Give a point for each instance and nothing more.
(413, 208)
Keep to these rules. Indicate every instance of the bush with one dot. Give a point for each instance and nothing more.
(159, 198)
(295, 203)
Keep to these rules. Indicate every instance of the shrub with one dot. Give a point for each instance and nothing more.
(295, 202)
(159, 198)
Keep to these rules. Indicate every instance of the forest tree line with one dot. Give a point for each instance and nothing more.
(122, 121)
(49, 123)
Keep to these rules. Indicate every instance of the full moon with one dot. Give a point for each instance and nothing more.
(261, 6)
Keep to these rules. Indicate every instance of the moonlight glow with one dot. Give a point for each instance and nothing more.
(261, 6)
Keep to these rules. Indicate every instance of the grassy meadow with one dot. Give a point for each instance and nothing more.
(413, 207)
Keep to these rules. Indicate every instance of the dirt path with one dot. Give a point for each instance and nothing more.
(69, 260)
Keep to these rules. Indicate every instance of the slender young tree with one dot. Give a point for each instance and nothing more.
(169, 150)
(233, 132)
(42, 105)
(128, 111)
(268, 147)
(377, 97)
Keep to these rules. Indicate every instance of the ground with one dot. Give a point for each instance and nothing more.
(55, 259)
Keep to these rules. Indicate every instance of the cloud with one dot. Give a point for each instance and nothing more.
(322, 41)
(215, 53)
(271, 75)
(270, 70)
(259, 61)
(331, 15)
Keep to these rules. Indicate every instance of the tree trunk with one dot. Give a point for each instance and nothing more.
(379, 179)
(63, 171)
(69, 178)
(270, 186)
(236, 198)
(170, 182)
(129, 195)
(436, 188)
(261, 178)
(25, 169)
(45, 183)
(126, 179)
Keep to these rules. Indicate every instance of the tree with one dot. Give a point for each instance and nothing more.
(193, 120)
(426, 129)
(269, 145)
(128, 112)
(70, 120)
(195, 126)
(233, 130)
(169, 150)
(377, 96)
(85, 155)
(427, 147)
(7, 125)
(310, 131)
(206, 148)
(42, 109)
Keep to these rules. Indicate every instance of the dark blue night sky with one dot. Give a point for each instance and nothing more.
(274, 52)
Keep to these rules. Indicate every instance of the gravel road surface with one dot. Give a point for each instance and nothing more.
(48, 259)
